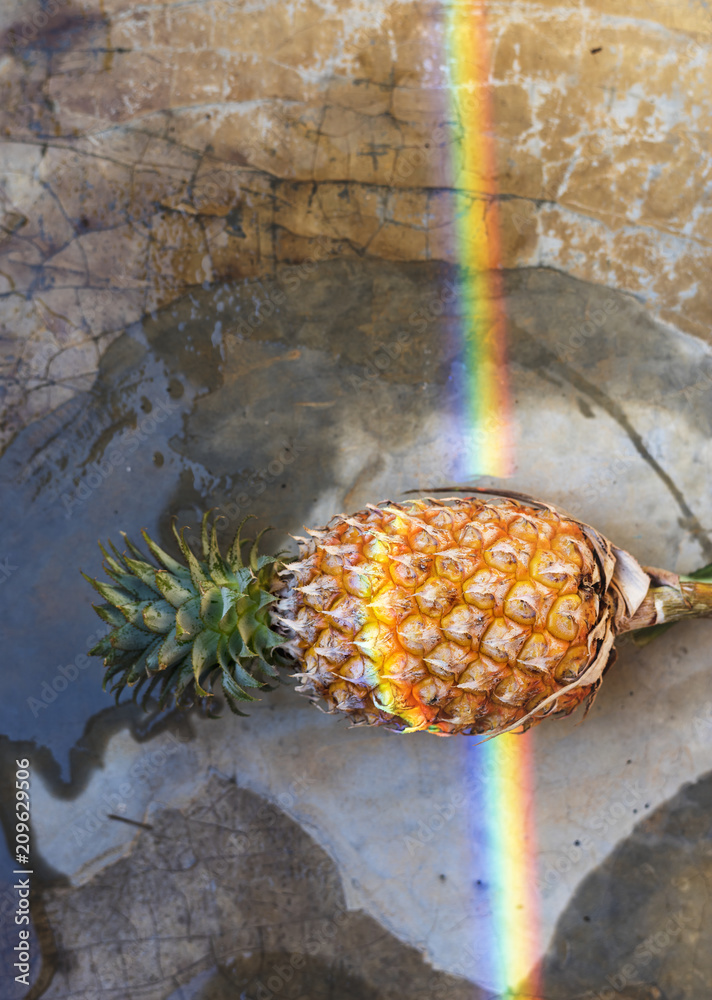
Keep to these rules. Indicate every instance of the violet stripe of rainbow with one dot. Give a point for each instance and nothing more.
(487, 446)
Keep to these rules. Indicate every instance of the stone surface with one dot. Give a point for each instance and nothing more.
(638, 926)
(225, 247)
(151, 148)
(208, 903)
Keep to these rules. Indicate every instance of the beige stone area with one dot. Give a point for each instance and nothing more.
(152, 147)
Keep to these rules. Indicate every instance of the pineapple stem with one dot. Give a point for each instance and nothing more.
(671, 603)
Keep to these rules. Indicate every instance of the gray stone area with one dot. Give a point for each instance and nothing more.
(227, 897)
(639, 927)
(335, 398)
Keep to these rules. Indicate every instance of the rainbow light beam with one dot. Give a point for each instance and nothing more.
(507, 761)
(511, 853)
(487, 445)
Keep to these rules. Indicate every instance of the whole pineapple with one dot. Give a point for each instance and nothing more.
(459, 615)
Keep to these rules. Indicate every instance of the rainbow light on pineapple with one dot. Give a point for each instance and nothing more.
(507, 760)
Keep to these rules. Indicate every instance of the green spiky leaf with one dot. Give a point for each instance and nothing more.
(159, 616)
(228, 622)
(129, 637)
(197, 574)
(702, 575)
(234, 555)
(205, 651)
(242, 677)
(114, 595)
(219, 570)
(133, 612)
(143, 570)
(231, 688)
(188, 621)
(211, 607)
(141, 591)
(139, 670)
(168, 562)
(173, 589)
(109, 614)
(236, 646)
(170, 651)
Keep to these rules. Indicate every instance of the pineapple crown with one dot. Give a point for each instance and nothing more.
(184, 626)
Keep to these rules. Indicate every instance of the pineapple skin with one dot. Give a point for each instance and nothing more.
(453, 616)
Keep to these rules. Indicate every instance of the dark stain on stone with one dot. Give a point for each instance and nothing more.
(638, 926)
(292, 347)
(181, 336)
(228, 897)
(85, 757)
(52, 32)
(585, 408)
(234, 222)
(175, 388)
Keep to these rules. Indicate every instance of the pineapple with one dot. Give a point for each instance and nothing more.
(453, 615)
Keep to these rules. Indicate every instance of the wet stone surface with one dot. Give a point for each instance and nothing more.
(291, 418)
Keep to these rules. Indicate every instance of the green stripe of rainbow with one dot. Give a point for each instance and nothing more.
(507, 760)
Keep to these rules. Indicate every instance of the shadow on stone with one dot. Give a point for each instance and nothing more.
(638, 927)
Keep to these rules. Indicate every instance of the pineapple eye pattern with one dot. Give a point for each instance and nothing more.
(484, 611)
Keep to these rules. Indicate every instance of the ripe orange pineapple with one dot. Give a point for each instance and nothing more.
(459, 615)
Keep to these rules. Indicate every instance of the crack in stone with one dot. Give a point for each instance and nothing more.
(690, 521)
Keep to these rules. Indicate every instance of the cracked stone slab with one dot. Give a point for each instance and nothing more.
(150, 149)
(227, 896)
